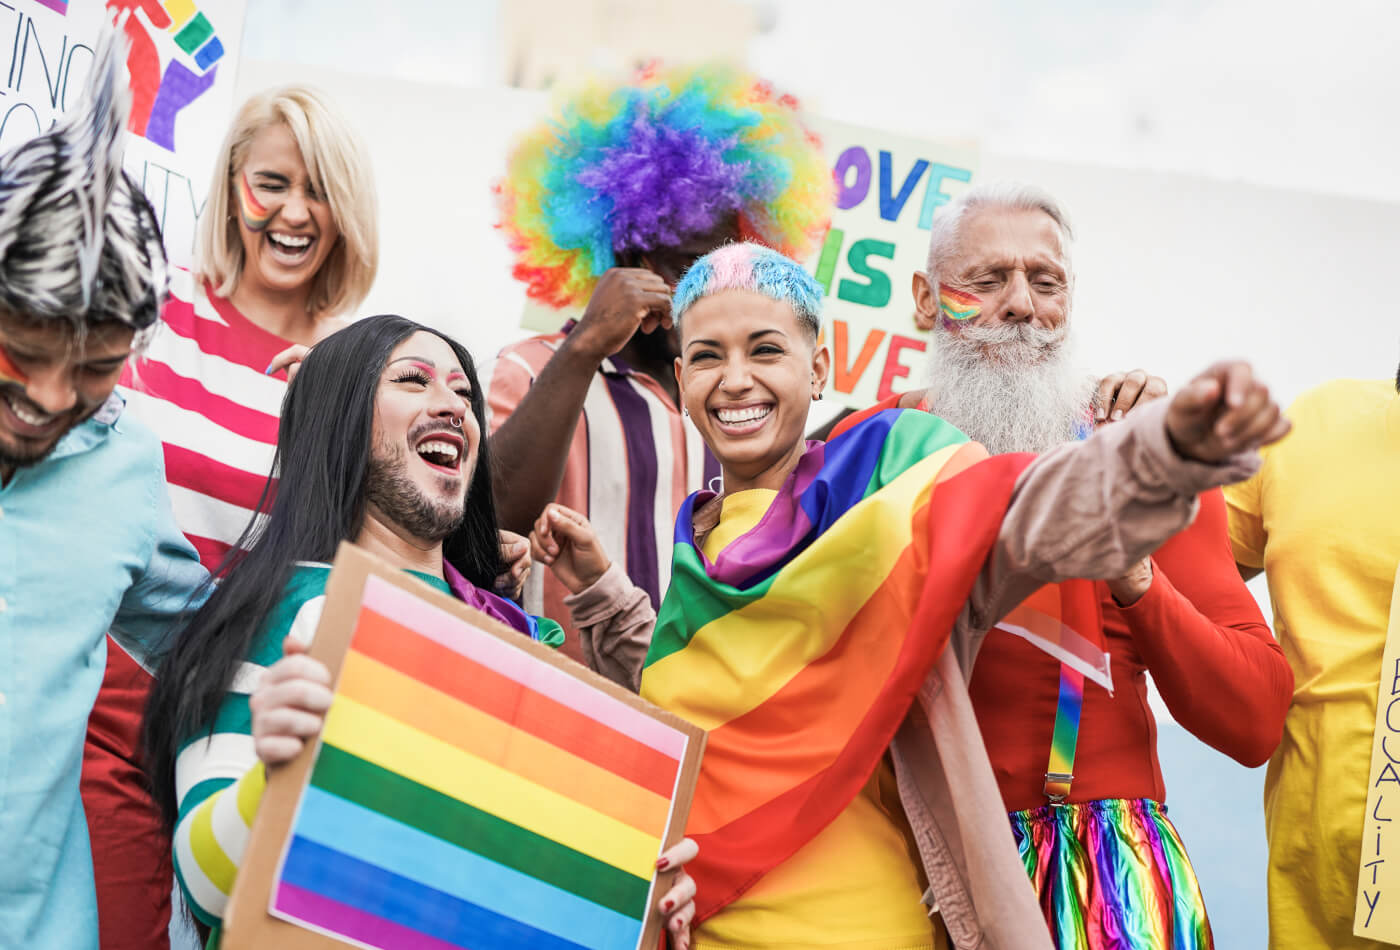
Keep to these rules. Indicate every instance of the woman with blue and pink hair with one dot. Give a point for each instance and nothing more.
(826, 606)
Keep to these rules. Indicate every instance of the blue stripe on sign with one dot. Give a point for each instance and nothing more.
(418, 856)
(336, 875)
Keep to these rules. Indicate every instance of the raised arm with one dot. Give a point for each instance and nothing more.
(614, 617)
(531, 445)
(1202, 636)
(1095, 508)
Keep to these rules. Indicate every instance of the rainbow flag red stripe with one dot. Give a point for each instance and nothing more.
(801, 648)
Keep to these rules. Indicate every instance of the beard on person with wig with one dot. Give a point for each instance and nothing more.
(391, 489)
(1011, 386)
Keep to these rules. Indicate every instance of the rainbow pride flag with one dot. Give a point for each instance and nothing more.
(466, 794)
(803, 645)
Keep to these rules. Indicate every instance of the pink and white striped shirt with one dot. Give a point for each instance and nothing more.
(200, 386)
(633, 460)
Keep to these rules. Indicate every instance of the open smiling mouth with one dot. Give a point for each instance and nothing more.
(290, 249)
(441, 452)
(32, 424)
(741, 420)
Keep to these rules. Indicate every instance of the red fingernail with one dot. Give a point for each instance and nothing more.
(663, 863)
(666, 906)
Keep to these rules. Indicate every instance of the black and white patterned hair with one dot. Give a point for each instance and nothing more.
(79, 241)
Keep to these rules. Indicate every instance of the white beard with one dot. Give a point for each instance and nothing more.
(1012, 387)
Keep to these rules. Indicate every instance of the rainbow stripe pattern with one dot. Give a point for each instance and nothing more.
(957, 305)
(467, 795)
(802, 646)
(9, 372)
(255, 216)
(1112, 875)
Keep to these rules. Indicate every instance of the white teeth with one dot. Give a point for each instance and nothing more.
(446, 449)
(289, 240)
(27, 417)
(743, 415)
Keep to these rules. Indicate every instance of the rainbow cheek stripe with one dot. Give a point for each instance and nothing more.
(9, 372)
(956, 305)
(255, 216)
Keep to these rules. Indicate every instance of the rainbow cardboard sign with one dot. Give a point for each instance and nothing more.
(469, 789)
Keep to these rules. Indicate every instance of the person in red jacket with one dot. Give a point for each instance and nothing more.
(1077, 765)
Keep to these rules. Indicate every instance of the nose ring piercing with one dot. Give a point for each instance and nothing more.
(456, 423)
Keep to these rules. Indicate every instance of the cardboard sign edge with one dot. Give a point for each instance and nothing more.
(247, 924)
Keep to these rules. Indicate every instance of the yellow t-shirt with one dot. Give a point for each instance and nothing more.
(1322, 517)
(856, 885)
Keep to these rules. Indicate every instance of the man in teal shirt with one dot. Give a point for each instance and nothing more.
(88, 542)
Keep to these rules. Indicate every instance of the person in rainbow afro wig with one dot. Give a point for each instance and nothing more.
(605, 205)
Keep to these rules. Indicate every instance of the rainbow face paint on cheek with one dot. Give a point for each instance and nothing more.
(9, 372)
(255, 216)
(956, 305)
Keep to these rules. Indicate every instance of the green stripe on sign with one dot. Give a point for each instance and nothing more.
(458, 823)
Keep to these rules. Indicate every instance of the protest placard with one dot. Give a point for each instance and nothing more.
(1378, 877)
(182, 66)
(889, 187)
(470, 787)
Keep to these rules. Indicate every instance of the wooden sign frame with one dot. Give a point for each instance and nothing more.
(248, 923)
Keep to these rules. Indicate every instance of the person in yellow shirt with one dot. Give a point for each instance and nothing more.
(1322, 519)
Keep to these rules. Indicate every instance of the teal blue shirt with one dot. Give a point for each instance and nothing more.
(88, 544)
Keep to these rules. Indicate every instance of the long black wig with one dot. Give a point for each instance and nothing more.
(315, 500)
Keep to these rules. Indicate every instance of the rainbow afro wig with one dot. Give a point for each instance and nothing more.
(750, 266)
(653, 163)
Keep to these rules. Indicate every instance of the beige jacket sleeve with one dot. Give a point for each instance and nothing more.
(1090, 509)
(614, 619)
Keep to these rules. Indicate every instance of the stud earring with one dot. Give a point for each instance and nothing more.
(685, 412)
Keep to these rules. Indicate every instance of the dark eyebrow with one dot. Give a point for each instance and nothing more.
(752, 336)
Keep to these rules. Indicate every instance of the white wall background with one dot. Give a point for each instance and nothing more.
(1174, 270)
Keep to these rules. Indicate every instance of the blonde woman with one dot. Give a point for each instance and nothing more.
(287, 250)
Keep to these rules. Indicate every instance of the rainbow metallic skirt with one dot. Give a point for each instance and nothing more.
(1112, 875)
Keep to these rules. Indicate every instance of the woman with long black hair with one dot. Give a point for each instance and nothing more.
(380, 443)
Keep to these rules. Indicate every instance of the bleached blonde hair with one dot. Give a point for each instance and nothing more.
(336, 160)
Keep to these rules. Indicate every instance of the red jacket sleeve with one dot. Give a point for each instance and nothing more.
(1204, 639)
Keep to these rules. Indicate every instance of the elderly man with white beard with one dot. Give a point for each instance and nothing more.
(1078, 767)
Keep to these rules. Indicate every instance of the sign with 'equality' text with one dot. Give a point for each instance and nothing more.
(182, 64)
